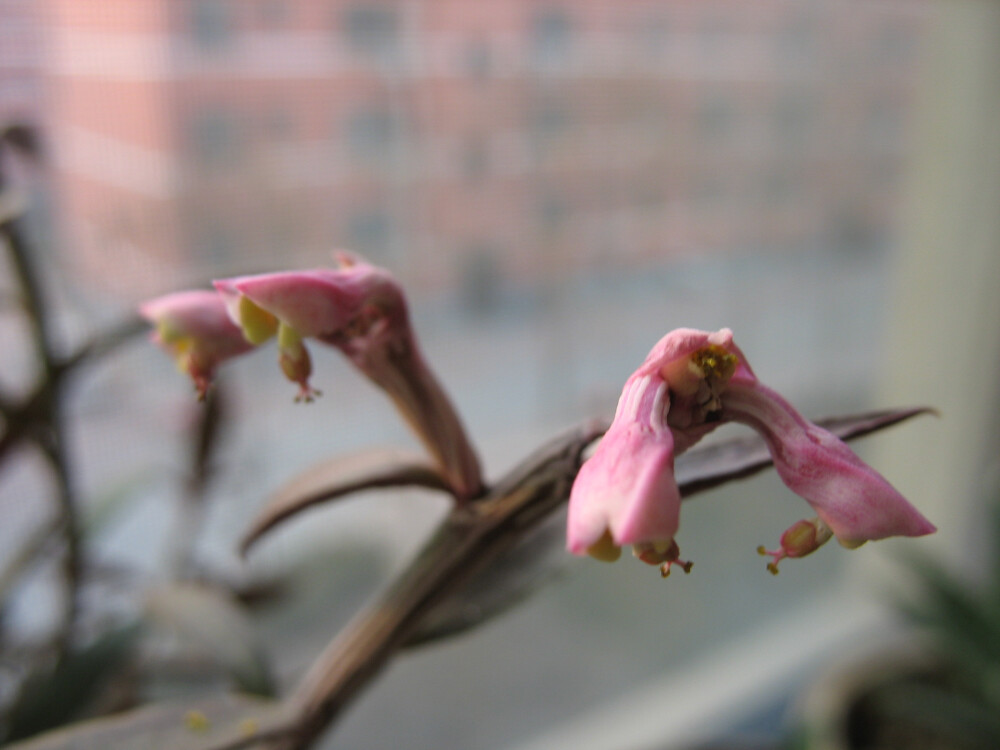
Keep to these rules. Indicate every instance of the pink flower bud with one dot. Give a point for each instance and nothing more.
(801, 539)
(194, 328)
(361, 310)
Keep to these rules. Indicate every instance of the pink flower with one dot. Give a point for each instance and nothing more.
(361, 310)
(195, 329)
(690, 383)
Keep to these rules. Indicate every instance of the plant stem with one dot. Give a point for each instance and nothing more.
(46, 426)
(468, 539)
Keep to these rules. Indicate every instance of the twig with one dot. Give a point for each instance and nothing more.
(473, 535)
(469, 538)
(42, 419)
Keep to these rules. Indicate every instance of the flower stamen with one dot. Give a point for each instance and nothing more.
(605, 549)
(664, 554)
(296, 363)
(802, 538)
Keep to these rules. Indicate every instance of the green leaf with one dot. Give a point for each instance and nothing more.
(54, 698)
(962, 614)
(941, 712)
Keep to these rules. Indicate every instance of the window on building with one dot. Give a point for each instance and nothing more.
(211, 23)
(779, 186)
(475, 159)
(274, 12)
(370, 232)
(710, 193)
(652, 36)
(278, 123)
(549, 121)
(551, 36)
(893, 43)
(553, 213)
(478, 60)
(793, 117)
(717, 117)
(213, 138)
(213, 241)
(795, 42)
(716, 35)
(372, 134)
(883, 125)
(373, 30)
(481, 278)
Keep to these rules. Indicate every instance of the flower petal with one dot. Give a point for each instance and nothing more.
(854, 500)
(195, 329)
(628, 485)
(312, 302)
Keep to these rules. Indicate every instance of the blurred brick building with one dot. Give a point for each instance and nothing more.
(21, 60)
(458, 140)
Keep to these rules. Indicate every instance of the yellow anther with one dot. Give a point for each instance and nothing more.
(685, 566)
(257, 323)
(605, 549)
(849, 544)
(715, 363)
(169, 334)
(704, 373)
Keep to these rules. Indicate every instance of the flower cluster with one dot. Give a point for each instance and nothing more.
(690, 383)
(358, 308)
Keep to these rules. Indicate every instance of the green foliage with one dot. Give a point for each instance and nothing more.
(959, 703)
(51, 699)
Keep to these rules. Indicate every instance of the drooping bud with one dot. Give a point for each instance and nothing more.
(295, 362)
(802, 538)
(361, 310)
(194, 329)
(663, 554)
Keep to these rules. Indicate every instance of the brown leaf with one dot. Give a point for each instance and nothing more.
(338, 477)
(227, 721)
(703, 468)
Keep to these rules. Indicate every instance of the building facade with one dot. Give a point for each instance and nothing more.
(458, 141)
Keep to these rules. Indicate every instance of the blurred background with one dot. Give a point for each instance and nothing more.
(556, 184)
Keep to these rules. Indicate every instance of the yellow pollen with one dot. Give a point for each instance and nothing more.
(605, 549)
(715, 363)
